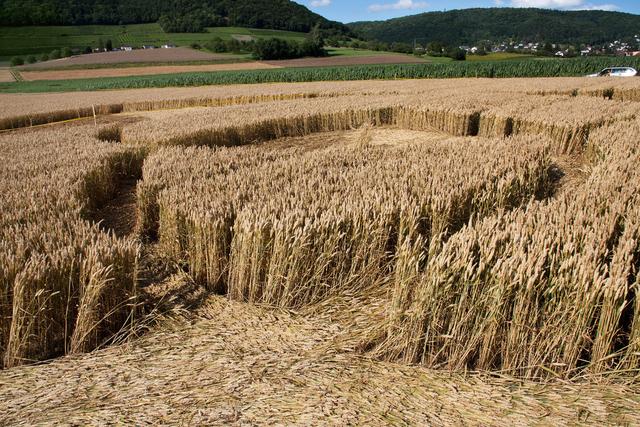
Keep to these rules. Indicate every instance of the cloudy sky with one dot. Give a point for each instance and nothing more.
(366, 10)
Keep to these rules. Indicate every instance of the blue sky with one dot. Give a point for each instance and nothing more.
(369, 10)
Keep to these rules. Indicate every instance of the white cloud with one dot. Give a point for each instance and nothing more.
(562, 4)
(399, 5)
(320, 3)
(608, 7)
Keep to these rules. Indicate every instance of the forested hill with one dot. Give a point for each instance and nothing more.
(467, 26)
(273, 14)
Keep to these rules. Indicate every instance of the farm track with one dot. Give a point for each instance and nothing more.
(208, 360)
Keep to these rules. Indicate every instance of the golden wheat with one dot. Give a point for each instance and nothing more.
(275, 228)
(57, 269)
(480, 264)
(21, 110)
(548, 287)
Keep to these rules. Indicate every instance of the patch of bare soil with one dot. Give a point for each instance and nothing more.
(178, 54)
(141, 71)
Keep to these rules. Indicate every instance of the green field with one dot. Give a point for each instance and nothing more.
(437, 59)
(15, 41)
(347, 51)
(496, 69)
(499, 56)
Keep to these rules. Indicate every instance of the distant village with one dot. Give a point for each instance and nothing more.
(630, 47)
(130, 48)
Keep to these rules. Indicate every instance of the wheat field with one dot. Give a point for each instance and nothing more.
(396, 252)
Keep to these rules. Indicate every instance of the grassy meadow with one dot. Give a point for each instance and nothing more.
(37, 40)
(500, 56)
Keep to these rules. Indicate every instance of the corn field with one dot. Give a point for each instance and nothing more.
(498, 69)
(501, 235)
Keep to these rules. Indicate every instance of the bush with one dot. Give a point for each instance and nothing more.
(195, 46)
(236, 46)
(457, 54)
(218, 45)
(87, 50)
(31, 59)
(311, 48)
(274, 48)
(401, 48)
(16, 60)
(44, 57)
(435, 49)
(66, 52)
(55, 54)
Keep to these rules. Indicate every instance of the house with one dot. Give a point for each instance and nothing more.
(126, 48)
(560, 53)
(148, 46)
(168, 46)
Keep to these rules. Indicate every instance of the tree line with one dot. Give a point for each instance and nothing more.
(273, 48)
(173, 15)
(470, 26)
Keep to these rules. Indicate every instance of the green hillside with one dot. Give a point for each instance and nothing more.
(181, 15)
(35, 40)
(457, 27)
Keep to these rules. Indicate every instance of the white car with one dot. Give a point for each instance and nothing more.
(616, 72)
